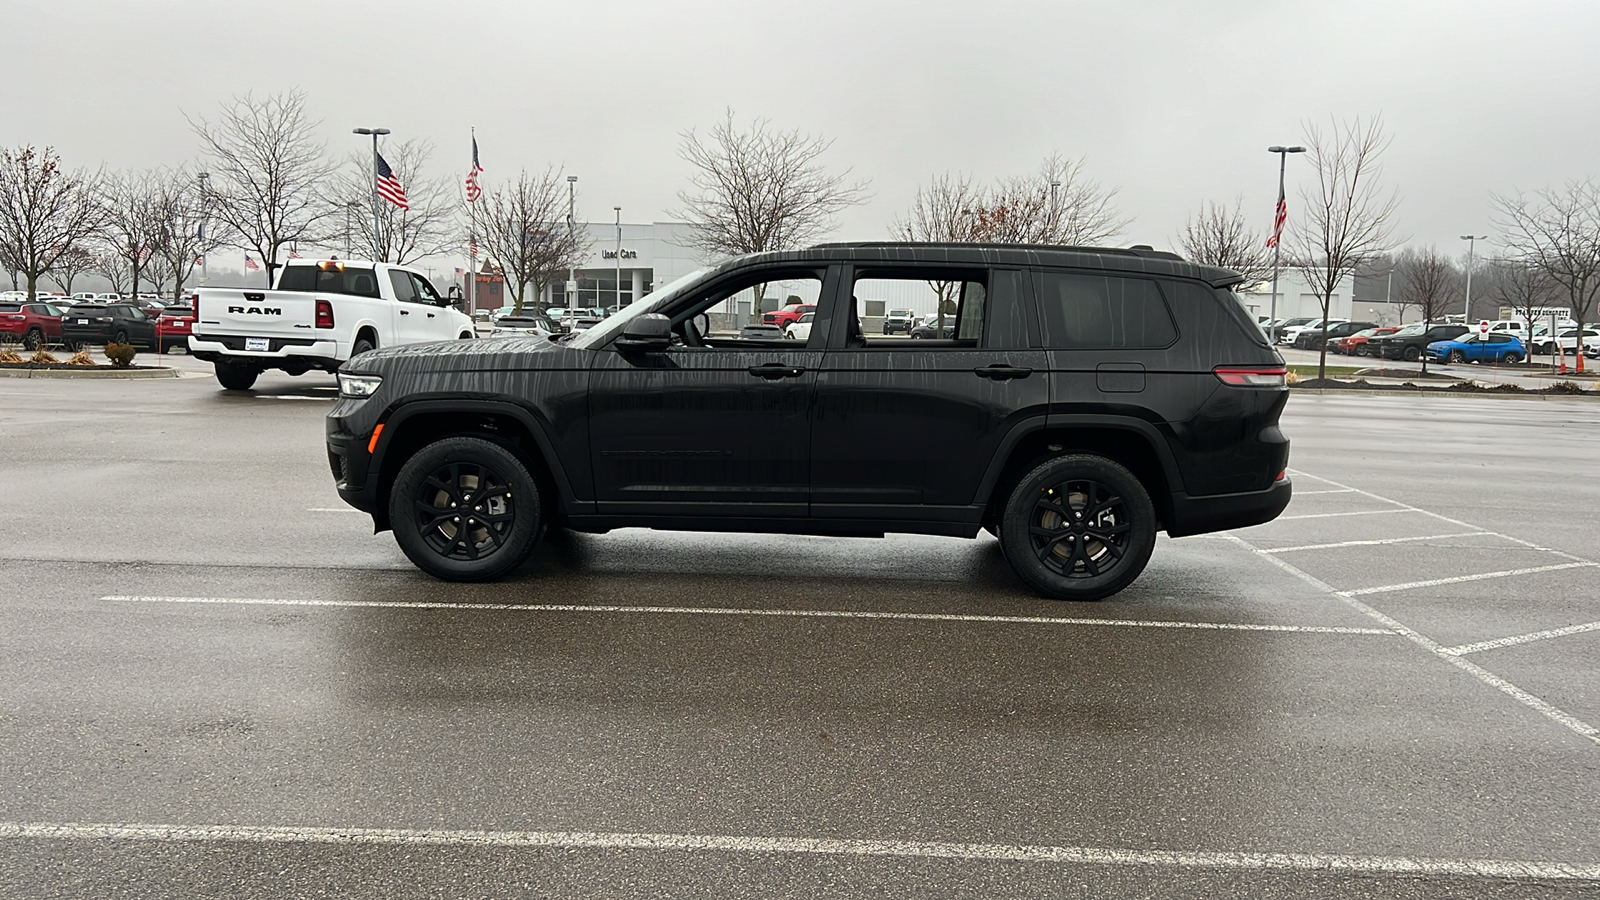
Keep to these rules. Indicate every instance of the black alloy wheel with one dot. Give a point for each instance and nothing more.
(465, 509)
(1079, 527)
(1412, 354)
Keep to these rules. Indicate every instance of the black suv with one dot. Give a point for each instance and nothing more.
(1409, 342)
(1082, 400)
(98, 323)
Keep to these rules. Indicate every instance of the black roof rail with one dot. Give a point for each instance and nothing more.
(1143, 250)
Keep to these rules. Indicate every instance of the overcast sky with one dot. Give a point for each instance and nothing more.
(1173, 103)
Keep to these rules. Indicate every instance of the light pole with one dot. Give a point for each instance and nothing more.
(205, 222)
(619, 255)
(376, 228)
(1053, 186)
(570, 294)
(1282, 210)
(1471, 239)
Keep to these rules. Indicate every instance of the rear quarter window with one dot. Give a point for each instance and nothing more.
(1083, 311)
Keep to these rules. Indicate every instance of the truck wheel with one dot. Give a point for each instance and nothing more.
(236, 376)
(1412, 354)
(33, 340)
(1079, 527)
(362, 345)
(465, 509)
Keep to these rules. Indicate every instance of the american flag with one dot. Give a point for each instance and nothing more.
(1277, 220)
(389, 186)
(294, 253)
(473, 190)
(251, 265)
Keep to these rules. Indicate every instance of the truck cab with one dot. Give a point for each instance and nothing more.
(319, 314)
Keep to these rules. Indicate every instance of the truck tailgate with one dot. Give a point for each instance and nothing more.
(228, 311)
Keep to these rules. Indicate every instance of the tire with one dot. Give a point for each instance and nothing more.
(33, 340)
(465, 336)
(1361, 350)
(1511, 358)
(443, 476)
(362, 345)
(1455, 357)
(915, 336)
(121, 337)
(1411, 354)
(236, 376)
(1108, 549)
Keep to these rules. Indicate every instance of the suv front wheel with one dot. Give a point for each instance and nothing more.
(1079, 527)
(465, 509)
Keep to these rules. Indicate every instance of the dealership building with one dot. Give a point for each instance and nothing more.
(623, 264)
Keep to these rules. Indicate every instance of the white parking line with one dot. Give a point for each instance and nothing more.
(1376, 543)
(347, 509)
(1497, 643)
(1333, 491)
(1537, 704)
(779, 613)
(1363, 512)
(1457, 579)
(1412, 866)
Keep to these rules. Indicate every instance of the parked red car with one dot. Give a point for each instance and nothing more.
(791, 313)
(35, 324)
(1352, 345)
(174, 326)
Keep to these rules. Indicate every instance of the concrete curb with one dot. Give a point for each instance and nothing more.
(1366, 392)
(89, 372)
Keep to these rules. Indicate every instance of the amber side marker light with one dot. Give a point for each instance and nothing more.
(1253, 376)
(372, 444)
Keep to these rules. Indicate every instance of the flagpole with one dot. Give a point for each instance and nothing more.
(1277, 238)
(472, 239)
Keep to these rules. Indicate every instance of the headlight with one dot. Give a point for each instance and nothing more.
(358, 386)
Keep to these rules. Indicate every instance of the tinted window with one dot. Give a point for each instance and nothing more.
(404, 290)
(10, 307)
(1103, 312)
(334, 280)
(425, 290)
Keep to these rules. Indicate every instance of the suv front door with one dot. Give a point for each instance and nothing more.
(715, 425)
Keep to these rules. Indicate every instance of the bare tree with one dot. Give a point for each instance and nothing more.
(108, 265)
(761, 189)
(44, 211)
(399, 235)
(69, 266)
(133, 228)
(1429, 281)
(180, 238)
(1523, 287)
(1348, 220)
(1558, 232)
(522, 227)
(267, 173)
(1217, 236)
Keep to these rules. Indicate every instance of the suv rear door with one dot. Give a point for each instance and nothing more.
(906, 429)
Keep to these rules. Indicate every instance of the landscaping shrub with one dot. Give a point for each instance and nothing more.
(43, 356)
(10, 355)
(121, 355)
(82, 358)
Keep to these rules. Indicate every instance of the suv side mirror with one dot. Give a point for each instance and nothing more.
(651, 331)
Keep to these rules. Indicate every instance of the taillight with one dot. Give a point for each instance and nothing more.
(324, 314)
(197, 307)
(1253, 376)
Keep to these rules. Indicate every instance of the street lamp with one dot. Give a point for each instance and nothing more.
(570, 294)
(1280, 213)
(205, 220)
(1471, 239)
(619, 255)
(1053, 186)
(376, 228)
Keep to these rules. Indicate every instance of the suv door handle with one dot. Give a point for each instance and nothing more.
(776, 370)
(1001, 373)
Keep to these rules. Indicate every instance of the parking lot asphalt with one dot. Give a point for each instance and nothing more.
(218, 682)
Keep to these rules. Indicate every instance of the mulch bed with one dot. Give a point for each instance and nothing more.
(1460, 387)
(34, 365)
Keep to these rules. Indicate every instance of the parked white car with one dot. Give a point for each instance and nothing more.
(800, 330)
(319, 314)
(1287, 335)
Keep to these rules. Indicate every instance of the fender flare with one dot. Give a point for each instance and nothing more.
(1032, 424)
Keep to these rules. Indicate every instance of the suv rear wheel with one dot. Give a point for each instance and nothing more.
(465, 509)
(1078, 527)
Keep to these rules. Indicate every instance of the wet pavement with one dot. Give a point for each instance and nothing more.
(218, 682)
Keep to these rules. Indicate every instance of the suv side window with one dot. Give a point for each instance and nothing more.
(1103, 312)
(714, 318)
(961, 295)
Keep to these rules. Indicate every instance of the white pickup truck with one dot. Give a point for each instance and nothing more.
(321, 313)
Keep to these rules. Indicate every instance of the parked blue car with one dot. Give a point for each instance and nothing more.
(1496, 348)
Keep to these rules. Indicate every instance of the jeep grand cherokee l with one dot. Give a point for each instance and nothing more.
(1080, 401)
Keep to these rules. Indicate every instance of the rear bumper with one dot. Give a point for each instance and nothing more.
(1223, 512)
(298, 353)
